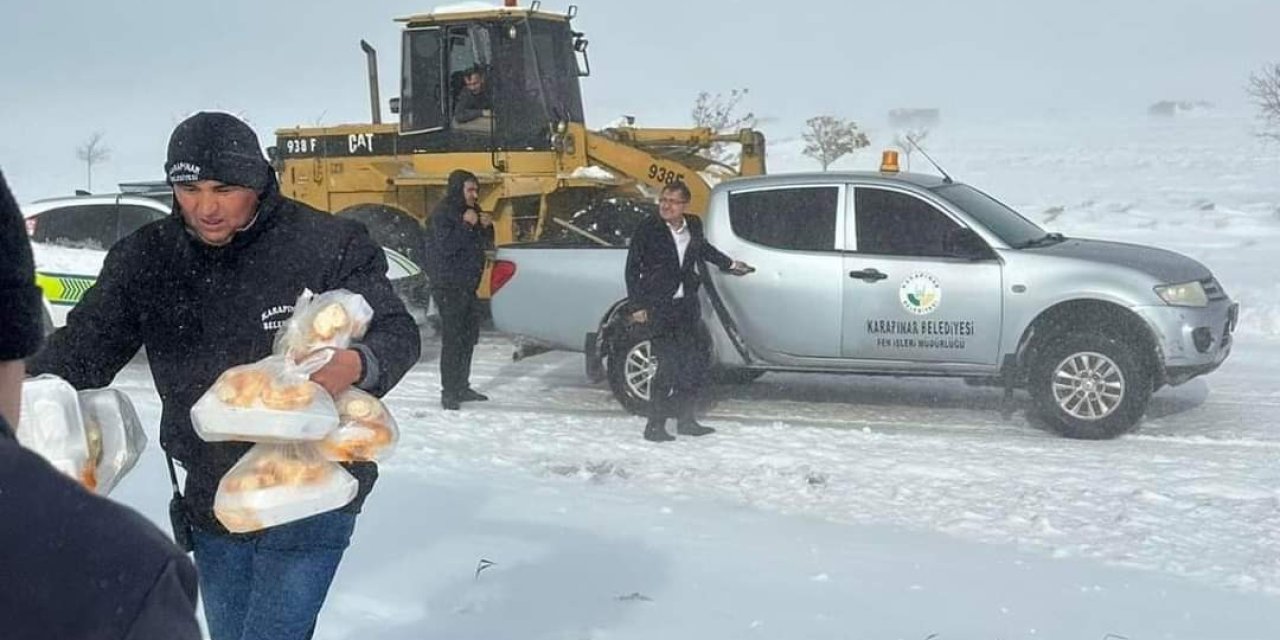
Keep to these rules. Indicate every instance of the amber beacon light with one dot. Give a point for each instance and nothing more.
(889, 161)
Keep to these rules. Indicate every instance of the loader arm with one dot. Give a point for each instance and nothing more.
(656, 157)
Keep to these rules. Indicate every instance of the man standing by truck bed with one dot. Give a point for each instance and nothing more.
(662, 282)
(457, 236)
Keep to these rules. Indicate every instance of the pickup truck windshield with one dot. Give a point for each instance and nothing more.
(1009, 225)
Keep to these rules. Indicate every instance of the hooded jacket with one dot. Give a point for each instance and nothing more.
(455, 249)
(75, 565)
(200, 309)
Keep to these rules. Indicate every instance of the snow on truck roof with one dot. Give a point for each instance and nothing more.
(465, 10)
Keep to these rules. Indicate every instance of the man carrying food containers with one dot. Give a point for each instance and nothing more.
(269, 391)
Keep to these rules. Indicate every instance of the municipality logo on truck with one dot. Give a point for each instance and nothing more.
(920, 294)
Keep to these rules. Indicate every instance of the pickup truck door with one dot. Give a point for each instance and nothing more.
(907, 294)
(791, 304)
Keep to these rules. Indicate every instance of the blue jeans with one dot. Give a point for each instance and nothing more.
(270, 586)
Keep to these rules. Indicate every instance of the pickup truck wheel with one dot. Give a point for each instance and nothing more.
(632, 366)
(1091, 387)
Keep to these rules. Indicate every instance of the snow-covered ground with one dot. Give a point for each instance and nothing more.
(843, 507)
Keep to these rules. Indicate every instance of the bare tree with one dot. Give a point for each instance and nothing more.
(1264, 88)
(720, 113)
(828, 139)
(908, 139)
(90, 153)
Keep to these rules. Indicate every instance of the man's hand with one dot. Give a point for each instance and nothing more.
(486, 219)
(342, 371)
(640, 316)
(740, 268)
(470, 217)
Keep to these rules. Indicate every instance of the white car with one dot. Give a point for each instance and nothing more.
(70, 237)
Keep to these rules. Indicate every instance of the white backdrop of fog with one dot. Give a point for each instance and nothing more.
(134, 68)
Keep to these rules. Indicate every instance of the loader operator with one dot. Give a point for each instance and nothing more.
(472, 108)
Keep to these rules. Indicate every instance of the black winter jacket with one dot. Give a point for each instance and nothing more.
(20, 329)
(654, 271)
(73, 565)
(77, 566)
(200, 309)
(470, 105)
(455, 249)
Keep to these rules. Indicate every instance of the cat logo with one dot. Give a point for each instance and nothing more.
(360, 142)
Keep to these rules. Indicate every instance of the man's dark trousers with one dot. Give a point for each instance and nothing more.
(678, 346)
(459, 332)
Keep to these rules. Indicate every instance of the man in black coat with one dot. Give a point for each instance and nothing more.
(458, 234)
(662, 284)
(473, 100)
(205, 290)
(74, 565)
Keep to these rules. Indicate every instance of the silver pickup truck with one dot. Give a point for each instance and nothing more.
(897, 274)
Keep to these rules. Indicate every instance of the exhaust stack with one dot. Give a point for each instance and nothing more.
(372, 55)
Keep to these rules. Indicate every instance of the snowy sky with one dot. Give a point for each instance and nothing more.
(133, 68)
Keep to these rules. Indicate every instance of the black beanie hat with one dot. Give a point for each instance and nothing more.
(216, 146)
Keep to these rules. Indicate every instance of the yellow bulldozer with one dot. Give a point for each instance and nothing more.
(543, 174)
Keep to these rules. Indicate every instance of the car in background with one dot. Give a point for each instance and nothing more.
(70, 237)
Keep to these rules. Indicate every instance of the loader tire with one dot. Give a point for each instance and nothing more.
(391, 228)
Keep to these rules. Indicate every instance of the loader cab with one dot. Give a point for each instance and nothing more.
(530, 65)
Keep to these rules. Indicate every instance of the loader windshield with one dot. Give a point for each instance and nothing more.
(527, 68)
(422, 95)
(536, 84)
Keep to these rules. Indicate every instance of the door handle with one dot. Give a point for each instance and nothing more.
(868, 275)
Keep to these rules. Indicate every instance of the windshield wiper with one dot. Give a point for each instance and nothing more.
(1043, 241)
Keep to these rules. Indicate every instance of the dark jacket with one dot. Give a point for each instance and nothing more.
(654, 272)
(455, 249)
(200, 310)
(471, 105)
(74, 565)
(20, 306)
(80, 566)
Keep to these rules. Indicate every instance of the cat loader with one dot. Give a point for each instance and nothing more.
(544, 176)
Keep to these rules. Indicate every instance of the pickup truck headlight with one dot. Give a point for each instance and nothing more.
(1186, 294)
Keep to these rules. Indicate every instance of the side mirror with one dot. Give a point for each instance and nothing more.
(394, 103)
(580, 54)
(966, 243)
